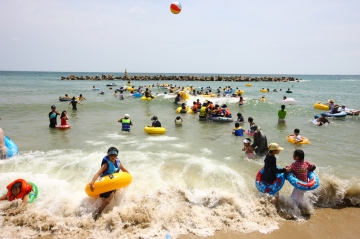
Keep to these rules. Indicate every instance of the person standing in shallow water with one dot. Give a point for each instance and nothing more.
(53, 116)
(74, 102)
(282, 115)
(3, 148)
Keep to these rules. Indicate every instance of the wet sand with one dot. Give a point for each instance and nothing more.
(325, 223)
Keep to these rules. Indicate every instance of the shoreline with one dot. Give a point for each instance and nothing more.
(337, 222)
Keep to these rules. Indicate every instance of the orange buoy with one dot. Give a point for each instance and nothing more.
(175, 8)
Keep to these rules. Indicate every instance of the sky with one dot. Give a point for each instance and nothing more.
(213, 36)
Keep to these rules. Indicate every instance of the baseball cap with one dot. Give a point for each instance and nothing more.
(275, 146)
(127, 116)
(112, 151)
(53, 106)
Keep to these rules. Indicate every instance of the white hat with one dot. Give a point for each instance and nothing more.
(246, 141)
(127, 116)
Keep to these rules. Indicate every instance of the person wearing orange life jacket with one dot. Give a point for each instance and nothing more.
(194, 107)
(19, 189)
(198, 103)
(226, 111)
(211, 105)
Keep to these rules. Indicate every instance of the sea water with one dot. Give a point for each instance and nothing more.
(193, 179)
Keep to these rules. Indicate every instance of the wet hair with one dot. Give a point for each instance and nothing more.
(63, 114)
(16, 185)
(300, 154)
(250, 119)
(73, 98)
(239, 114)
(178, 117)
(282, 107)
(80, 95)
(297, 131)
(237, 124)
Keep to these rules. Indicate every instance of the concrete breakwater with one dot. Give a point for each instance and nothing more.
(182, 78)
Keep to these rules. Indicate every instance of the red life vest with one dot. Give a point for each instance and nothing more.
(25, 189)
(195, 108)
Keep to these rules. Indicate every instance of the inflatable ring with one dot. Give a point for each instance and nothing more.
(288, 91)
(288, 101)
(147, 98)
(131, 89)
(34, 192)
(59, 126)
(155, 130)
(311, 184)
(11, 146)
(187, 109)
(220, 119)
(111, 84)
(263, 90)
(248, 132)
(341, 114)
(65, 99)
(263, 99)
(108, 183)
(321, 106)
(241, 92)
(248, 84)
(229, 91)
(292, 140)
(137, 95)
(269, 188)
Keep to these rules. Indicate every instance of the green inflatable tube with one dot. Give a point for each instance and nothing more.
(34, 192)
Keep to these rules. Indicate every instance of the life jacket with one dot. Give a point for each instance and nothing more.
(125, 124)
(195, 108)
(202, 111)
(220, 111)
(238, 131)
(198, 104)
(25, 189)
(211, 106)
(111, 167)
(227, 112)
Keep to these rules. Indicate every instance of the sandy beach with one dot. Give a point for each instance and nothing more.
(325, 223)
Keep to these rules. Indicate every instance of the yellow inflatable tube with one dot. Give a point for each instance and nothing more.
(148, 98)
(263, 90)
(106, 184)
(188, 110)
(239, 92)
(292, 140)
(263, 99)
(248, 84)
(130, 89)
(155, 130)
(321, 106)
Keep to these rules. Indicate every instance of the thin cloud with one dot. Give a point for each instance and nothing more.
(137, 9)
(15, 39)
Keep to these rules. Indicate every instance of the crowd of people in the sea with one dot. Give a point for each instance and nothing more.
(256, 147)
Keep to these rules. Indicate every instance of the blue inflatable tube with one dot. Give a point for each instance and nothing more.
(269, 188)
(229, 91)
(137, 95)
(341, 114)
(312, 184)
(12, 148)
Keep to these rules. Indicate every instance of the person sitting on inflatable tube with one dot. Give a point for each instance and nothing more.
(81, 97)
(288, 91)
(296, 135)
(148, 94)
(240, 118)
(270, 167)
(63, 118)
(300, 169)
(155, 122)
(183, 109)
(125, 123)
(3, 148)
(110, 164)
(335, 110)
(19, 189)
(238, 131)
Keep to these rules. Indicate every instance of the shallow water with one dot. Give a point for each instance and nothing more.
(195, 178)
